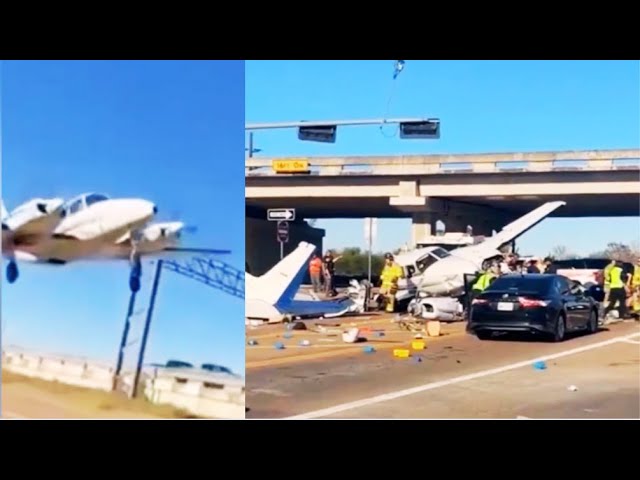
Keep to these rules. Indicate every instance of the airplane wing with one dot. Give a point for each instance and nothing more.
(31, 221)
(520, 226)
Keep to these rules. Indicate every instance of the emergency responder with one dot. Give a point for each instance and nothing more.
(315, 271)
(617, 291)
(607, 279)
(484, 280)
(391, 273)
(633, 303)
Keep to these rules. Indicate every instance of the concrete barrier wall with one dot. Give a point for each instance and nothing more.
(69, 371)
(202, 394)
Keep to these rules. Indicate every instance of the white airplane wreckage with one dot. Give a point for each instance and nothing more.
(434, 284)
(274, 297)
(89, 226)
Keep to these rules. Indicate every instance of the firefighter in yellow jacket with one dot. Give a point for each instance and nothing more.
(607, 279)
(391, 273)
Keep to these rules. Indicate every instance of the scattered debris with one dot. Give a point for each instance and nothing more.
(298, 326)
(378, 334)
(304, 343)
(458, 361)
(417, 359)
(351, 335)
(369, 349)
(417, 336)
(278, 346)
(401, 353)
(418, 345)
(540, 365)
(433, 328)
(252, 342)
(572, 388)
(288, 335)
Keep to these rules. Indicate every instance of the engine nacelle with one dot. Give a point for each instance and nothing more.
(32, 210)
(158, 232)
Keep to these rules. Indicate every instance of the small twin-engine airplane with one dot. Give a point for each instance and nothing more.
(89, 226)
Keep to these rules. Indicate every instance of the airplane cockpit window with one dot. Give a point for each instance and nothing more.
(95, 198)
(440, 253)
(425, 262)
(75, 206)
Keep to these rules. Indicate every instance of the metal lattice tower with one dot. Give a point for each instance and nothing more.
(215, 273)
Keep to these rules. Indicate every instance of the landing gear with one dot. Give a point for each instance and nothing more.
(136, 267)
(12, 271)
(136, 273)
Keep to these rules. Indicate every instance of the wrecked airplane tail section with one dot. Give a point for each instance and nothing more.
(279, 285)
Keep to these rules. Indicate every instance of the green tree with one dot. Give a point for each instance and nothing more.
(354, 262)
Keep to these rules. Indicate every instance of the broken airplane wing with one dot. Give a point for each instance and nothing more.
(522, 225)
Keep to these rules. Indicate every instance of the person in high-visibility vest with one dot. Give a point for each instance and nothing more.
(391, 273)
(607, 279)
(634, 303)
(617, 291)
(484, 280)
(315, 271)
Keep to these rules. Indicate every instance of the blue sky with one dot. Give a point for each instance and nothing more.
(484, 106)
(170, 132)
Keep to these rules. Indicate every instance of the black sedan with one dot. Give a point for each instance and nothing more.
(546, 304)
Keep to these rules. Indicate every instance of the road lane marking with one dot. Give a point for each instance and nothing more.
(634, 342)
(451, 381)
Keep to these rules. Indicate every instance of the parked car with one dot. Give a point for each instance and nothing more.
(545, 304)
(586, 270)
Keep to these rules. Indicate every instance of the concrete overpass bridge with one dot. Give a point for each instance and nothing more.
(483, 190)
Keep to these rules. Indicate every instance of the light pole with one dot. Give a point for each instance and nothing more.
(325, 131)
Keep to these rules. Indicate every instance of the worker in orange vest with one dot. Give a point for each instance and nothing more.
(315, 271)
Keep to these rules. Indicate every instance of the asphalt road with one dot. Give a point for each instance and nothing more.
(588, 376)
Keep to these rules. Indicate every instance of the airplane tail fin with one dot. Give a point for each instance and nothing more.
(522, 225)
(280, 284)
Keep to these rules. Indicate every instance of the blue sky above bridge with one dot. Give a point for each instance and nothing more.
(484, 106)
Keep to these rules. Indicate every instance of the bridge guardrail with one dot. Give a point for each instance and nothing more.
(570, 161)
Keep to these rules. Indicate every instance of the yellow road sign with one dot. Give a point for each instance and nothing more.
(292, 165)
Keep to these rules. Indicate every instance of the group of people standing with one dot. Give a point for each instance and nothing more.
(622, 288)
(322, 271)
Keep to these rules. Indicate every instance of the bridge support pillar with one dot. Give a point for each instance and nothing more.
(262, 249)
(422, 225)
